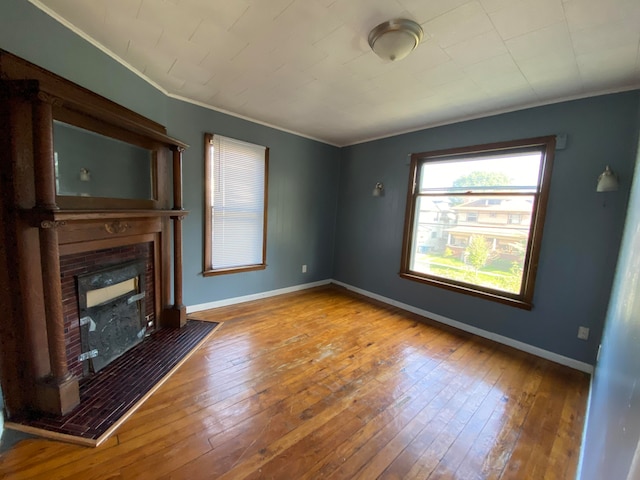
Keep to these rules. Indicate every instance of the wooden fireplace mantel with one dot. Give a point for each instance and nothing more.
(37, 216)
(38, 225)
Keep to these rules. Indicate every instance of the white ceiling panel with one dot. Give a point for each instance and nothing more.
(305, 65)
(187, 52)
(170, 17)
(217, 41)
(552, 68)
(424, 11)
(458, 25)
(608, 67)
(496, 71)
(162, 78)
(149, 57)
(582, 14)
(423, 59)
(129, 28)
(441, 75)
(524, 16)
(552, 39)
(603, 38)
(477, 49)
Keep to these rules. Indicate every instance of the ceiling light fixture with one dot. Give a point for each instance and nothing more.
(395, 39)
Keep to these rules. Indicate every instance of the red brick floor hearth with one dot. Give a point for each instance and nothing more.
(119, 388)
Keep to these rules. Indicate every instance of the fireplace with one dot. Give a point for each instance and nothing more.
(50, 237)
(111, 313)
(76, 271)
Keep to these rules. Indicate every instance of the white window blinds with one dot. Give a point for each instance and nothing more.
(237, 182)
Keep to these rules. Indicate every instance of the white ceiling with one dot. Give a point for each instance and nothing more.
(305, 66)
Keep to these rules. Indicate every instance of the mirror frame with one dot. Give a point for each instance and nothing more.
(94, 125)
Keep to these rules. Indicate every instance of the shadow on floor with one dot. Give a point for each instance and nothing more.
(10, 437)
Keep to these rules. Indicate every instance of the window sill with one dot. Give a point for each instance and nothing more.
(225, 271)
(470, 290)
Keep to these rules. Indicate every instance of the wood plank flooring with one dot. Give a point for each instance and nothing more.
(326, 384)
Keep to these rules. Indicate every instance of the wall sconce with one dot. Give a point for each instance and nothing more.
(378, 190)
(85, 175)
(607, 181)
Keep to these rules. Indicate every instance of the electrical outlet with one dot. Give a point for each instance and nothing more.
(583, 333)
(304, 269)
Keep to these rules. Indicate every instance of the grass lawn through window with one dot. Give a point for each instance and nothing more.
(498, 274)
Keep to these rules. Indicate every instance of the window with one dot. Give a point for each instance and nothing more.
(514, 218)
(495, 259)
(235, 205)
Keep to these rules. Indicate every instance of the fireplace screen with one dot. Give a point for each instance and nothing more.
(111, 313)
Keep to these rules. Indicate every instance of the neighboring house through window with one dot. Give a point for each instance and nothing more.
(492, 199)
(235, 205)
(514, 218)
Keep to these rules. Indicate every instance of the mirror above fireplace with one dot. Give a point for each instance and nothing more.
(89, 164)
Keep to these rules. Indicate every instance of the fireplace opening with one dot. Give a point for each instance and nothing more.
(112, 318)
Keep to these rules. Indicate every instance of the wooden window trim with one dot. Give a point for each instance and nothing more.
(208, 271)
(523, 300)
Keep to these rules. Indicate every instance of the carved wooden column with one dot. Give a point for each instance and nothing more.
(176, 316)
(58, 393)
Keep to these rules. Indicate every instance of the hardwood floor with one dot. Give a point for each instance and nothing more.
(325, 384)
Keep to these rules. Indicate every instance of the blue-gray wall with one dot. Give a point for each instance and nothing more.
(303, 174)
(613, 425)
(303, 186)
(581, 235)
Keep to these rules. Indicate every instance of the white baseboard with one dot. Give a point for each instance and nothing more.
(525, 347)
(255, 296)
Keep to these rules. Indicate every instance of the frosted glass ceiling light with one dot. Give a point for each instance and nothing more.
(395, 39)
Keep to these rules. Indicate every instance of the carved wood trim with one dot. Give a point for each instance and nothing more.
(49, 99)
(53, 302)
(43, 152)
(177, 231)
(116, 227)
(52, 223)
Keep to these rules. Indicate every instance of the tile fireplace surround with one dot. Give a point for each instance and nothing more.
(73, 265)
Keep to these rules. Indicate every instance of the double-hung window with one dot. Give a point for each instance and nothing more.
(486, 205)
(235, 205)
